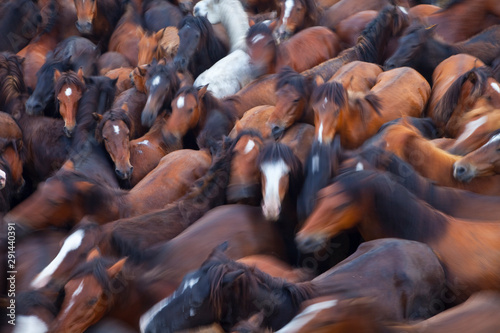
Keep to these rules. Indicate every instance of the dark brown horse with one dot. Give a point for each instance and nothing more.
(20, 22)
(419, 40)
(381, 208)
(199, 47)
(158, 14)
(68, 90)
(296, 15)
(225, 291)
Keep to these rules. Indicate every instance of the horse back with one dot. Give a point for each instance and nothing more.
(357, 76)
(402, 91)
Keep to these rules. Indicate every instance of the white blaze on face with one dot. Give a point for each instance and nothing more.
(306, 316)
(495, 86)
(68, 91)
(359, 166)
(76, 293)
(3, 179)
(256, 38)
(471, 127)
(71, 243)
(403, 9)
(272, 172)
(145, 143)
(288, 10)
(31, 324)
(156, 81)
(320, 133)
(180, 102)
(116, 129)
(248, 148)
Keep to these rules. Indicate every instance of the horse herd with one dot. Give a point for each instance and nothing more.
(255, 166)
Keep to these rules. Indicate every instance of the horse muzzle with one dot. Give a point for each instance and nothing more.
(463, 172)
(124, 175)
(84, 27)
(310, 243)
(68, 131)
(34, 106)
(277, 131)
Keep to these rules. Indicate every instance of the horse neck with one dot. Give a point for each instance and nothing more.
(235, 20)
(437, 50)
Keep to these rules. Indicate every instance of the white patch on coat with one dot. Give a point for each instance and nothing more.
(495, 86)
(145, 143)
(403, 9)
(471, 127)
(273, 171)
(288, 10)
(77, 292)
(320, 133)
(31, 324)
(256, 38)
(359, 166)
(156, 81)
(315, 163)
(495, 138)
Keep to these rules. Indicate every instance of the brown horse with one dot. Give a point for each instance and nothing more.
(430, 161)
(318, 44)
(350, 28)
(122, 77)
(197, 114)
(451, 201)
(380, 208)
(226, 291)
(276, 268)
(482, 162)
(98, 18)
(462, 19)
(358, 117)
(69, 88)
(114, 130)
(161, 85)
(111, 60)
(127, 34)
(256, 118)
(295, 16)
(471, 90)
(162, 44)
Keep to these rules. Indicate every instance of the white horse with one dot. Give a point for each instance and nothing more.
(228, 75)
(230, 14)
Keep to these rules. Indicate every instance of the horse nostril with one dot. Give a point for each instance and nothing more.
(389, 66)
(460, 170)
(276, 131)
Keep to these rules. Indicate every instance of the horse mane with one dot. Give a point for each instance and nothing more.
(98, 97)
(112, 10)
(112, 115)
(287, 76)
(258, 28)
(11, 78)
(451, 3)
(168, 70)
(30, 299)
(313, 13)
(333, 91)
(445, 107)
(98, 269)
(218, 265)
(276, 151)
(213, 46)
(393, 204)
(389, 23)
(69, 78)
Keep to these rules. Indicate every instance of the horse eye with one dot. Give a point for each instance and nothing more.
(296, 100)
(92, 301)
(190, 110)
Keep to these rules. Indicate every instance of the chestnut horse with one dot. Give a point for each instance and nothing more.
(68, 90)
(296, 15)
(358, 117)
(381, 208)
(420, 49)
(159, 45)
(98, 18)
(462, 19)
(226, 291)
(482, 162)
(161, 85)
(430, 161)
(318, 44)
(196, 113)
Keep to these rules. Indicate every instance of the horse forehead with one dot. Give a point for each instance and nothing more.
(274, 170)
(495, 86)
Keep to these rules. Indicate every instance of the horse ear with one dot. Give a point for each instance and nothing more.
(57, 75)
(142, 71)
(229, 278)
(113, 82)
(80, 74)
(251, 22)
(68, 165)
(93, 254)
(97, 117)
(83, 186)
(116, 268)
(238, 127)
(125, 107)
(159, 34)
(257, 319)
(319, 80)
(202, 91)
